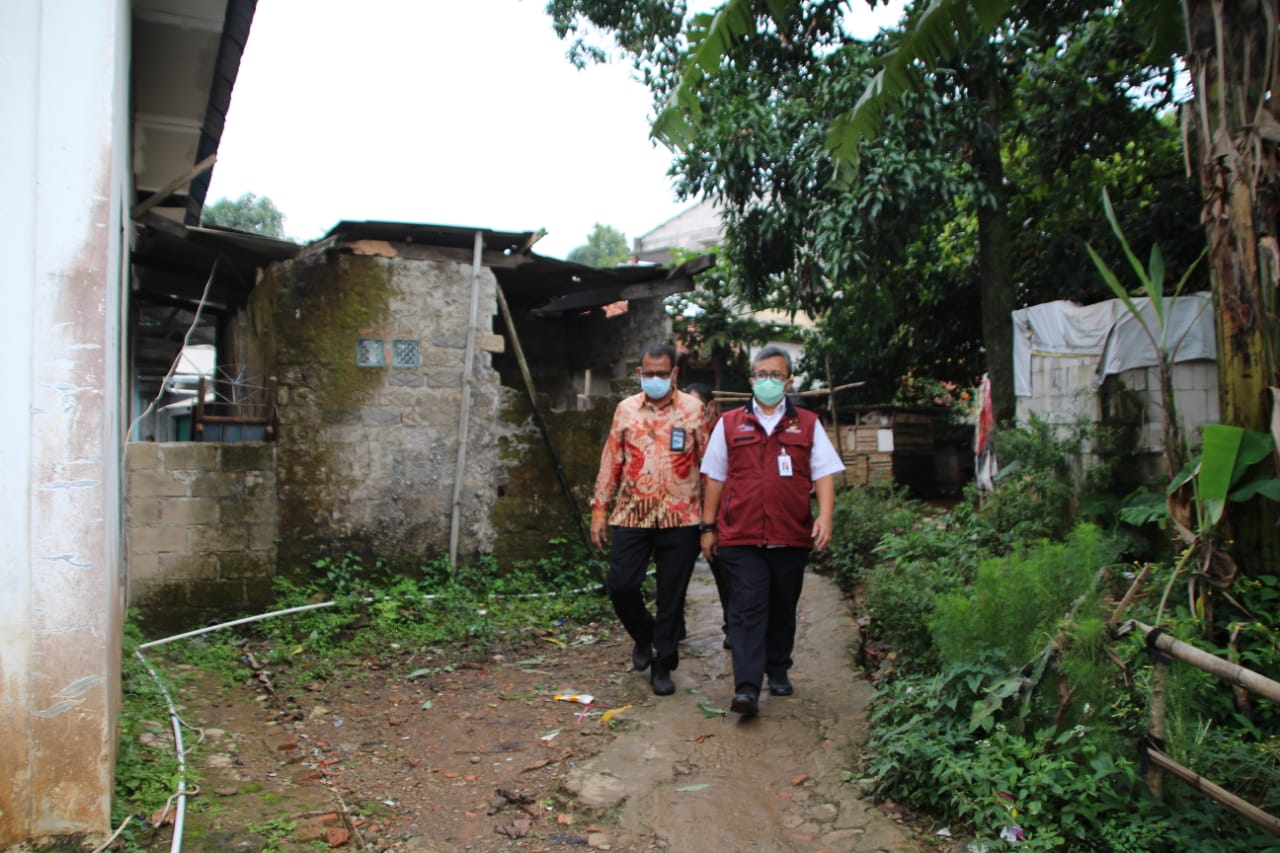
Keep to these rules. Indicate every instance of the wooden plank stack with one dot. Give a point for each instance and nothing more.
(860, 447)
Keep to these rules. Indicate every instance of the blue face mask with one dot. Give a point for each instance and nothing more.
(655, 388)
(768, 391)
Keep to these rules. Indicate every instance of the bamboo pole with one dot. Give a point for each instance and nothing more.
(1155, 723)
(1129, 595)
(1214, 792)
(831, 404)
(1232, 673)
(537, 415)
(742, 395)
(464, 414)
(167, 190)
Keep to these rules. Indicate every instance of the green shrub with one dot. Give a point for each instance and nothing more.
(1015, 604)
(1069, 790)
(863, 516)
(1041, 487)
(900, 598)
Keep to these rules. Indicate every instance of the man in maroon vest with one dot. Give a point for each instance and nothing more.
(763, 463)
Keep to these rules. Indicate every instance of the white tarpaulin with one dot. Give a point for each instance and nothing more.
(1108, 332)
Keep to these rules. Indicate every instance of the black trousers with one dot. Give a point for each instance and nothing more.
(673, 551)
(766, 584)
(721, 578)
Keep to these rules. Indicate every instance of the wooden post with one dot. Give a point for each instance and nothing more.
(464, 415)
(1155, 724)
(537, 416)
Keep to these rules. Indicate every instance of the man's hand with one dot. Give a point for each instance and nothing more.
(709, 540)
(599, 527)
(821, 533)
(825, 490)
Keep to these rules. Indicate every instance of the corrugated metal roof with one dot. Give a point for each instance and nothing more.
(531, 282)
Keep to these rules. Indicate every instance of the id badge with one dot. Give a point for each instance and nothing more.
(677, 439)
(784, 464)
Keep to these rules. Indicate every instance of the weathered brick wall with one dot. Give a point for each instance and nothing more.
(201, 528)
(1128, 405)
(368, 455)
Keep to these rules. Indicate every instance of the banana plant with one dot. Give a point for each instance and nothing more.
(1151, 284)
(1228, 469)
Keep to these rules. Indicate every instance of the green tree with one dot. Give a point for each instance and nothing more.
(716, 328)
(606, 247)
(910, 264)
(1230, 52)
(252, 213)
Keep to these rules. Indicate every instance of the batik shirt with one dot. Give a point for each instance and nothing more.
(649, 466)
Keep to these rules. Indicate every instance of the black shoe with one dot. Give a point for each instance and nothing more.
(746, 701)
(641, 655)
(726, 644)
(780, 686)
(660, 680)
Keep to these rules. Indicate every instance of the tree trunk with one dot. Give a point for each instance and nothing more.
(995, 258)
(1231, 57)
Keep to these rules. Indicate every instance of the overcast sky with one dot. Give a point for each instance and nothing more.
(451, 112)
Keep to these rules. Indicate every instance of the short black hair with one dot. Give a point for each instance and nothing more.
(661, 349)
(701, 390)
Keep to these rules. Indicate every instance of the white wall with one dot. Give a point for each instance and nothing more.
(64, 168)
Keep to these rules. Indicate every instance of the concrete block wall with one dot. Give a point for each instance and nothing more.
(1063, 390)
(1195, 391)
(1129, 404)
(201, 527)
(369, 455)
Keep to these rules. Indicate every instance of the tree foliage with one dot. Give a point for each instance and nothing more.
(605, 247)
(716, 328)
(977, 196)
(250, 212)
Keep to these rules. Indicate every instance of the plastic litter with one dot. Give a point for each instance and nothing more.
(1013, 832)
(613, 712)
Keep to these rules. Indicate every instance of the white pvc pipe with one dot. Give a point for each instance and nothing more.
(300, 608)
(180, 808)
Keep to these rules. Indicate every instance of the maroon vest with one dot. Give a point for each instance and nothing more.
(759, 505)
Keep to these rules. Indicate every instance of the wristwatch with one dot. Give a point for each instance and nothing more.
(703, 527)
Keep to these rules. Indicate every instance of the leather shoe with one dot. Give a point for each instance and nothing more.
(641, 655)
(780, 686)
(660, 680)
(746, 701)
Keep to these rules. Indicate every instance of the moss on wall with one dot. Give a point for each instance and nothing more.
(320, 308)
(532, 508)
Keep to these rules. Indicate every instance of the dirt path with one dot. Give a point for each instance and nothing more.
(478, 754)
(770, 783)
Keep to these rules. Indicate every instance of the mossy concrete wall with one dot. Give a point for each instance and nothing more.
(201, 528)
(532, 508)
(368, 455)
(581, 367)
(576, 359)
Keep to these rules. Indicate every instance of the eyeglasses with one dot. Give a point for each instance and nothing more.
(655, 374)
(768, 374)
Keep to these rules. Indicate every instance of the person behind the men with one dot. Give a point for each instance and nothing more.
(712, 409)
(649, 476)
(762, 464)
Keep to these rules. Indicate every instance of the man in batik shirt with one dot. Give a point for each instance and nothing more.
(649, 476)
